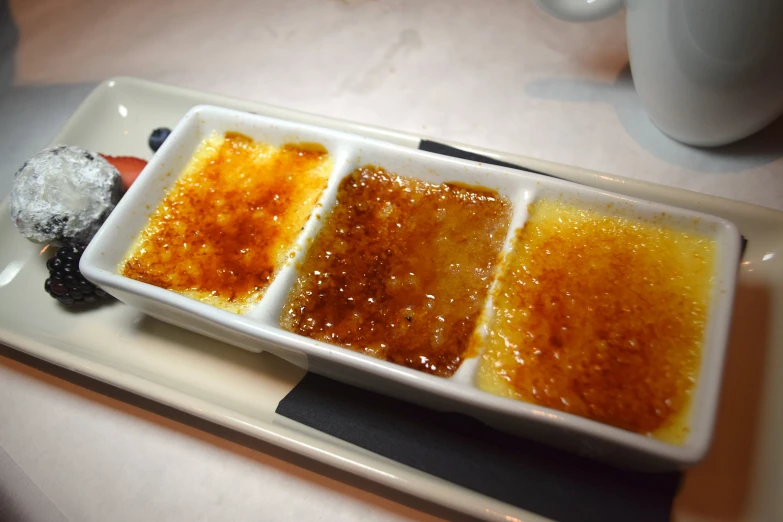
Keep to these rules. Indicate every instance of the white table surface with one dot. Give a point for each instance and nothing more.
(494, 73)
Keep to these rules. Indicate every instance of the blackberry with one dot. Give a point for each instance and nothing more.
(66, 283)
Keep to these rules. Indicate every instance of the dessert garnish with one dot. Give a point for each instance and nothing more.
(62, 195)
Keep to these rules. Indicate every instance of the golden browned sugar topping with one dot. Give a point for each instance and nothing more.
(227, 224)
(601, 316)
(400, 270)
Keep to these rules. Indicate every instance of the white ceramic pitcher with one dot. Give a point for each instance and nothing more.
(709, 72)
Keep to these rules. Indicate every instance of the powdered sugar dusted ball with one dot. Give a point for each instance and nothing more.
(62, 195)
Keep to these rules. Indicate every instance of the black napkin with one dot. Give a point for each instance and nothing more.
(466, 452)
(448, 150)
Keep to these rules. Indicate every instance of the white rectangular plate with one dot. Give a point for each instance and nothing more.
(739, 480)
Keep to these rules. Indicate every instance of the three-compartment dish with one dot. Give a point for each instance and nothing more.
(584, 319)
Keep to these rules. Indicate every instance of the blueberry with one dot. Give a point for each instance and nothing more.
(157, 138)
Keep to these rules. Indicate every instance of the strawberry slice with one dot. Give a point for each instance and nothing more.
(130, 167)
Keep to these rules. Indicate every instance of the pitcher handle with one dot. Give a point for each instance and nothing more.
(580, 10)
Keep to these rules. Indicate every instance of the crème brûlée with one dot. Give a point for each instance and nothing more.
(601, 316)
(400, 270)
(229, 221)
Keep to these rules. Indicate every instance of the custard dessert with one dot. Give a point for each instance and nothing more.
(400, 270)
(228, 223)
(601, 316)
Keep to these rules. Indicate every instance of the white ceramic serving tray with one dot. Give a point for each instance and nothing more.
(738, 481)
(258, 330)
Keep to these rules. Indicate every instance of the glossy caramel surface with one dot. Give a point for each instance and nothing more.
(227, 224)
(400, 270)
(601, 316)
